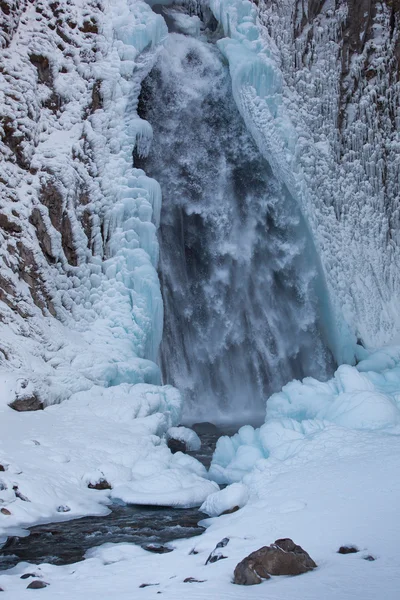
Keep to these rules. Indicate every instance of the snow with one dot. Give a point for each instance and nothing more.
(342, 490)
(186, 435)
(234, 495)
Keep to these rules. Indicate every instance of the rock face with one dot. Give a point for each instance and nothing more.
(284, 557)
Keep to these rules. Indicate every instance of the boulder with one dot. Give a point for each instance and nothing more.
(348, 550)
(37, 585)
(28, 403)
(102, 484)
(284, 557)
(176, 445)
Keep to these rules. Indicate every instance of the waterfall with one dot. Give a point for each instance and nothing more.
(238, 272)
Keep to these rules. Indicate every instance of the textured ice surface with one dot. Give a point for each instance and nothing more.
(356, 399)
(287, 84)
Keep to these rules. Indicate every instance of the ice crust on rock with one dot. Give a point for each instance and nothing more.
(185, 435)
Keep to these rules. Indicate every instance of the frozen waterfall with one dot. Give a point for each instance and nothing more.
(239, 274)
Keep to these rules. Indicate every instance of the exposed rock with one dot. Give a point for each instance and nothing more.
(205, 428)
(37, 585)
(29, 403)
(215, 555)
(193, 580)
(63, 508)
(230, 510)
(176, 445)
(348, 550)
(2, 468)
(9, 225)
(27, 575)
(143, 585)
(369, 557)
(284, 557)
(100, 485)
(157, 548)
(5, 511)
(19, 494)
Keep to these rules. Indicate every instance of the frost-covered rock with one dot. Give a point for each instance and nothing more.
(188, 438)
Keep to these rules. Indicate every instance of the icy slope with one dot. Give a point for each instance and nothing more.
(318, 87)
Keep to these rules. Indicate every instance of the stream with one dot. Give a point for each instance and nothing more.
(151, 527)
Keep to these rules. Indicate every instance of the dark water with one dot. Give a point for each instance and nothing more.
(67, 542)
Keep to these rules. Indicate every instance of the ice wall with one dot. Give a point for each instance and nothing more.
(327, 120)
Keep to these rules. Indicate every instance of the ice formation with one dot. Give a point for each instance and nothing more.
(333, 138)
(363, 398)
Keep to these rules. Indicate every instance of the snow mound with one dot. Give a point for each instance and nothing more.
(233, 495)
(173, 487)
(186, 435)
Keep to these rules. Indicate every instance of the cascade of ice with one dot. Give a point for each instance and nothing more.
(238, 272)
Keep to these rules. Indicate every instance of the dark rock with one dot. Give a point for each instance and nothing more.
(348, 550)
(27, 575)
(5, 511)
(143, 585)
(1, 590)
(100, 485)
(2, 468)
(63, 509)
(37, 585)
(215, 555)
(284, 557)
(370, 558)
(28, 403)
(230, 510)
(176, 445)
(205, 428)
(193, 580)
(19, 494)
(9, 225)
(157, 548)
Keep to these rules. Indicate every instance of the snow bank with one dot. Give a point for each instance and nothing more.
(356, 399)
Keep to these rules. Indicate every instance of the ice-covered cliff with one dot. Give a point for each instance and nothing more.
(78, 283)
(318, 85)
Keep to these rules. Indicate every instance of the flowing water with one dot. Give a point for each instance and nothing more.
(237, 268)
(153, 528)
